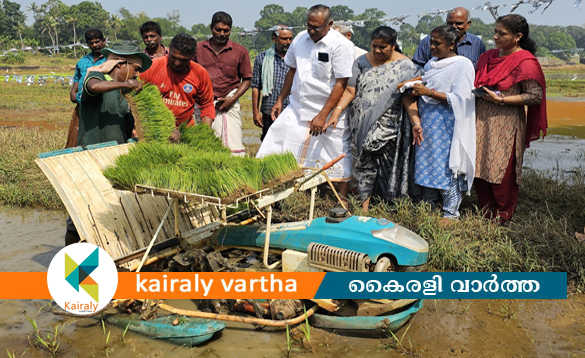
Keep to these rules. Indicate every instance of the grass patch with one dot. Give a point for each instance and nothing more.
(246, 110)
(42, 60)
(21, 181)
(576, 68)
(48, 103)
(565, 88)
(540, 238)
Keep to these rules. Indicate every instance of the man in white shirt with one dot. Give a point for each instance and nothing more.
(347, 31)
(320, 64)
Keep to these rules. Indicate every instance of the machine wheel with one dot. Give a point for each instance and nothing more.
(384, 265)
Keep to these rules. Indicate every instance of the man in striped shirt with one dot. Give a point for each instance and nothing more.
(469, 45)
(267, 82)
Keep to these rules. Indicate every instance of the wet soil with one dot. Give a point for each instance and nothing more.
(34, 123)
(443, 328)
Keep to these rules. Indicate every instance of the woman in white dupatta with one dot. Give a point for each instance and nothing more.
(445, 159)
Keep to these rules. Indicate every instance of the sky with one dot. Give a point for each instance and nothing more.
(245, 13)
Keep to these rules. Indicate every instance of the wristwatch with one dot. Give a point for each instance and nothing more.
(502, 102)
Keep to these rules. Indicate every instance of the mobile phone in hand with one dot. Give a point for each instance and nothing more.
(480, 92)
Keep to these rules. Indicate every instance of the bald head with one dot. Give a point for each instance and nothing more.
(459, 18)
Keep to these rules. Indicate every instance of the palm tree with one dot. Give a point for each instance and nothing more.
(18, 28)
(46, 26)
(72, 18)
(115, 23)
(34, 8)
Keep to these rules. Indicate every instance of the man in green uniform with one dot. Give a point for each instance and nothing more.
(104, 113)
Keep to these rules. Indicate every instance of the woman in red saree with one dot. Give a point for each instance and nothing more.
(512, 79)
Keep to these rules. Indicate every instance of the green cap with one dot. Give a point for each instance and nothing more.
(127, 48)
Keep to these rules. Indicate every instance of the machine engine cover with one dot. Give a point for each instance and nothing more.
(334, 259)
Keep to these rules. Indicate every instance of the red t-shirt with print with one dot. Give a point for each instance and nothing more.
(181, 91)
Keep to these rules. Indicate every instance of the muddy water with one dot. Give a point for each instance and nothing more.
(444, 328)
(566, 116)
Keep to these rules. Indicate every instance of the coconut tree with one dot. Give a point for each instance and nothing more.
(18, 28)
(72, 18)
(115, 23)
(46, 26)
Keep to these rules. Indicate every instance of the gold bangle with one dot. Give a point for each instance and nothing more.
(340, 108)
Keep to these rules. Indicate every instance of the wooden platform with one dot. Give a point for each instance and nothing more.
(121, 222)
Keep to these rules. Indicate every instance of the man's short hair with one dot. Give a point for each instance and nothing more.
(467, 17)
(344, 29)
(326, 10)
(276, 33)
(185, 44)
(150, 26)
(92, 34)
(223, 17)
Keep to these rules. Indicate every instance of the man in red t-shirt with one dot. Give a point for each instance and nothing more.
(182, 82)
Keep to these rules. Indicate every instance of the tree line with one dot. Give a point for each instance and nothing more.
(56, 24)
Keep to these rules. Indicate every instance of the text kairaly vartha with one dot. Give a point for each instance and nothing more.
(262, 284)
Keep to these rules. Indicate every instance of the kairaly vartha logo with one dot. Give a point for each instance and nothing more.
(82, 278)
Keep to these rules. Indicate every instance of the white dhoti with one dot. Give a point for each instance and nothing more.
(290, 134)
(228, 127)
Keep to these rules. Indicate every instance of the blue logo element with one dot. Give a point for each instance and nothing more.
(188, 88)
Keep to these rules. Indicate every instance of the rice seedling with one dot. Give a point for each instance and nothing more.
(152, 118)
(125, 331)
(14, 355)
(51, 343)
(201, 137)
(199, 165)
(277, 165)
(306, 329)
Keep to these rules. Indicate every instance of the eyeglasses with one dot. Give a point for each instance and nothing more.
(315, 28)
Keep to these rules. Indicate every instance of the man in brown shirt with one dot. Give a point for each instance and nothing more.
(229, 68)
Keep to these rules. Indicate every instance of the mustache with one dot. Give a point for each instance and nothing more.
(151, 43)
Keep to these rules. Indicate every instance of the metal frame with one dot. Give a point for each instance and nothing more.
(261, 199)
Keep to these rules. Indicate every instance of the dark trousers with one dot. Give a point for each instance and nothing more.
(266, 122)
(500, 200)
(71, 235)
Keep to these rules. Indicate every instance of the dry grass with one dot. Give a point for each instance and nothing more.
(21, 181)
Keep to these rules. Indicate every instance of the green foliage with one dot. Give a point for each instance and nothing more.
(16, 59)
(558, 40)
(428, 22)
(57, 23)
(153, 119)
